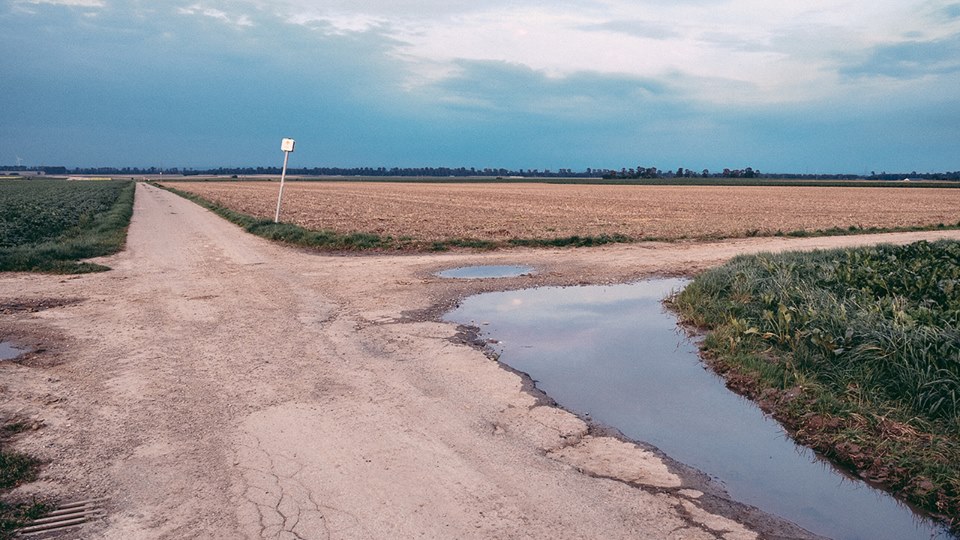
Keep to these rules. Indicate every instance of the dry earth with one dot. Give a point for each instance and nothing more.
(503, 211)
(214, 385)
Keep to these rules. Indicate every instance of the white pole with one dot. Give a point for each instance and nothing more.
(283, 176)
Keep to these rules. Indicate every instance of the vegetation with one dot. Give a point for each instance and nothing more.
(16, 468)
(771, 181)
(572, 241)
(445, 173)
(48, 225)
(856, 351)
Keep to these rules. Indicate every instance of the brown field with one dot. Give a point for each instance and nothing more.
(503, 211)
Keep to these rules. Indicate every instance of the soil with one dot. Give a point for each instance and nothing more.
(215, 385)
(498, 212)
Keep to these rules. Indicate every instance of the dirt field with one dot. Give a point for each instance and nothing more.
(215, 385)
(500, 212)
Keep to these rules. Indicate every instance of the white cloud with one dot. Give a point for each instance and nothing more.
(750, 51)
(213, 13)
(71, 3)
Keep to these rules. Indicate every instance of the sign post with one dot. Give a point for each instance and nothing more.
(287, 146)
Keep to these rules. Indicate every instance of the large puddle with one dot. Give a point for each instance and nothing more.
(614, 353)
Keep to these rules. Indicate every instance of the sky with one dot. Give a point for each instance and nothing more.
(818, 86)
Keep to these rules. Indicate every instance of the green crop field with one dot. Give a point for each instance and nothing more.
(856, 351)
(48, 225)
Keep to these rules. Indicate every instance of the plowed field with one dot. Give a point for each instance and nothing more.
(503, 211)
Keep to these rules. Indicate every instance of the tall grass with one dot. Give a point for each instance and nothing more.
(864, 343)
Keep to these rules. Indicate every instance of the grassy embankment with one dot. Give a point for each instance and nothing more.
(856, 351)
(330, 240)
(49, 225)
(356, 241)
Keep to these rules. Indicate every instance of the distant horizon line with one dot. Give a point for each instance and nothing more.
(463, 171)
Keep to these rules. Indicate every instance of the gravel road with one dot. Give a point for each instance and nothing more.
(215, 385)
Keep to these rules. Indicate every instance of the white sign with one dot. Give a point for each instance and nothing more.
(287, 146)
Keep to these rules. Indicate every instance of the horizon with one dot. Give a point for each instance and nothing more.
(474, 172)
(821, 88)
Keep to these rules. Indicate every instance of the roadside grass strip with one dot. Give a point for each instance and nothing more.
(855, 351)
(49, 225)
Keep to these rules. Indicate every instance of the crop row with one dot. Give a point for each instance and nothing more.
(45, 221)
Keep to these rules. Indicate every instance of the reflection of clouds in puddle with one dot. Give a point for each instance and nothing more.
(615, 353)
(8, 351)
(486, 272)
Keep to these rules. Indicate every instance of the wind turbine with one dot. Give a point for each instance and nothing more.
(19, 161)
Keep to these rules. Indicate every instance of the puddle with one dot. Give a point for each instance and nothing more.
(480, 272)
(615, 353)
(9, 352)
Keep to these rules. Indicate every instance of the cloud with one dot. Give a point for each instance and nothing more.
(514, 89)
(213, 13)
(537, 83)
(637, 28)
(951, 11)
(909, 59)
(68, 3)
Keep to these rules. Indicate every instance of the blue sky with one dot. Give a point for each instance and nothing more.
(815, 86)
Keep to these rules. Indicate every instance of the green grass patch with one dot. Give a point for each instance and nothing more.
(856, 351)
(49, 225)
(572, 241)
(14, 515)
(16, 468)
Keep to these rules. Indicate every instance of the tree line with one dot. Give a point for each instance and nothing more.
(638, 172)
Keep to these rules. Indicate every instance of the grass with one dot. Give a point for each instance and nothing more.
(16, 468)
(856, 351)
(49, 225)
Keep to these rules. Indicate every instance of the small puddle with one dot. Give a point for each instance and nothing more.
(614, 353)
(481, 272)
(8, 351)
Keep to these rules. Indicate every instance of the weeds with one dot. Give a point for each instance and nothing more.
(16, 468)
(857, 351)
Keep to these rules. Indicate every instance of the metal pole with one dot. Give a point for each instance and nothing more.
(283, 176)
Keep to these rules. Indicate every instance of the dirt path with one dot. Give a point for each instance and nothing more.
(214, 385)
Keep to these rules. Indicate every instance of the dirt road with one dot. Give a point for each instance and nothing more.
(214, 385)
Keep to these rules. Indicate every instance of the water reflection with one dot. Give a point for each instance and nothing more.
(614, 353)
(489, 271)
(9, 352)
